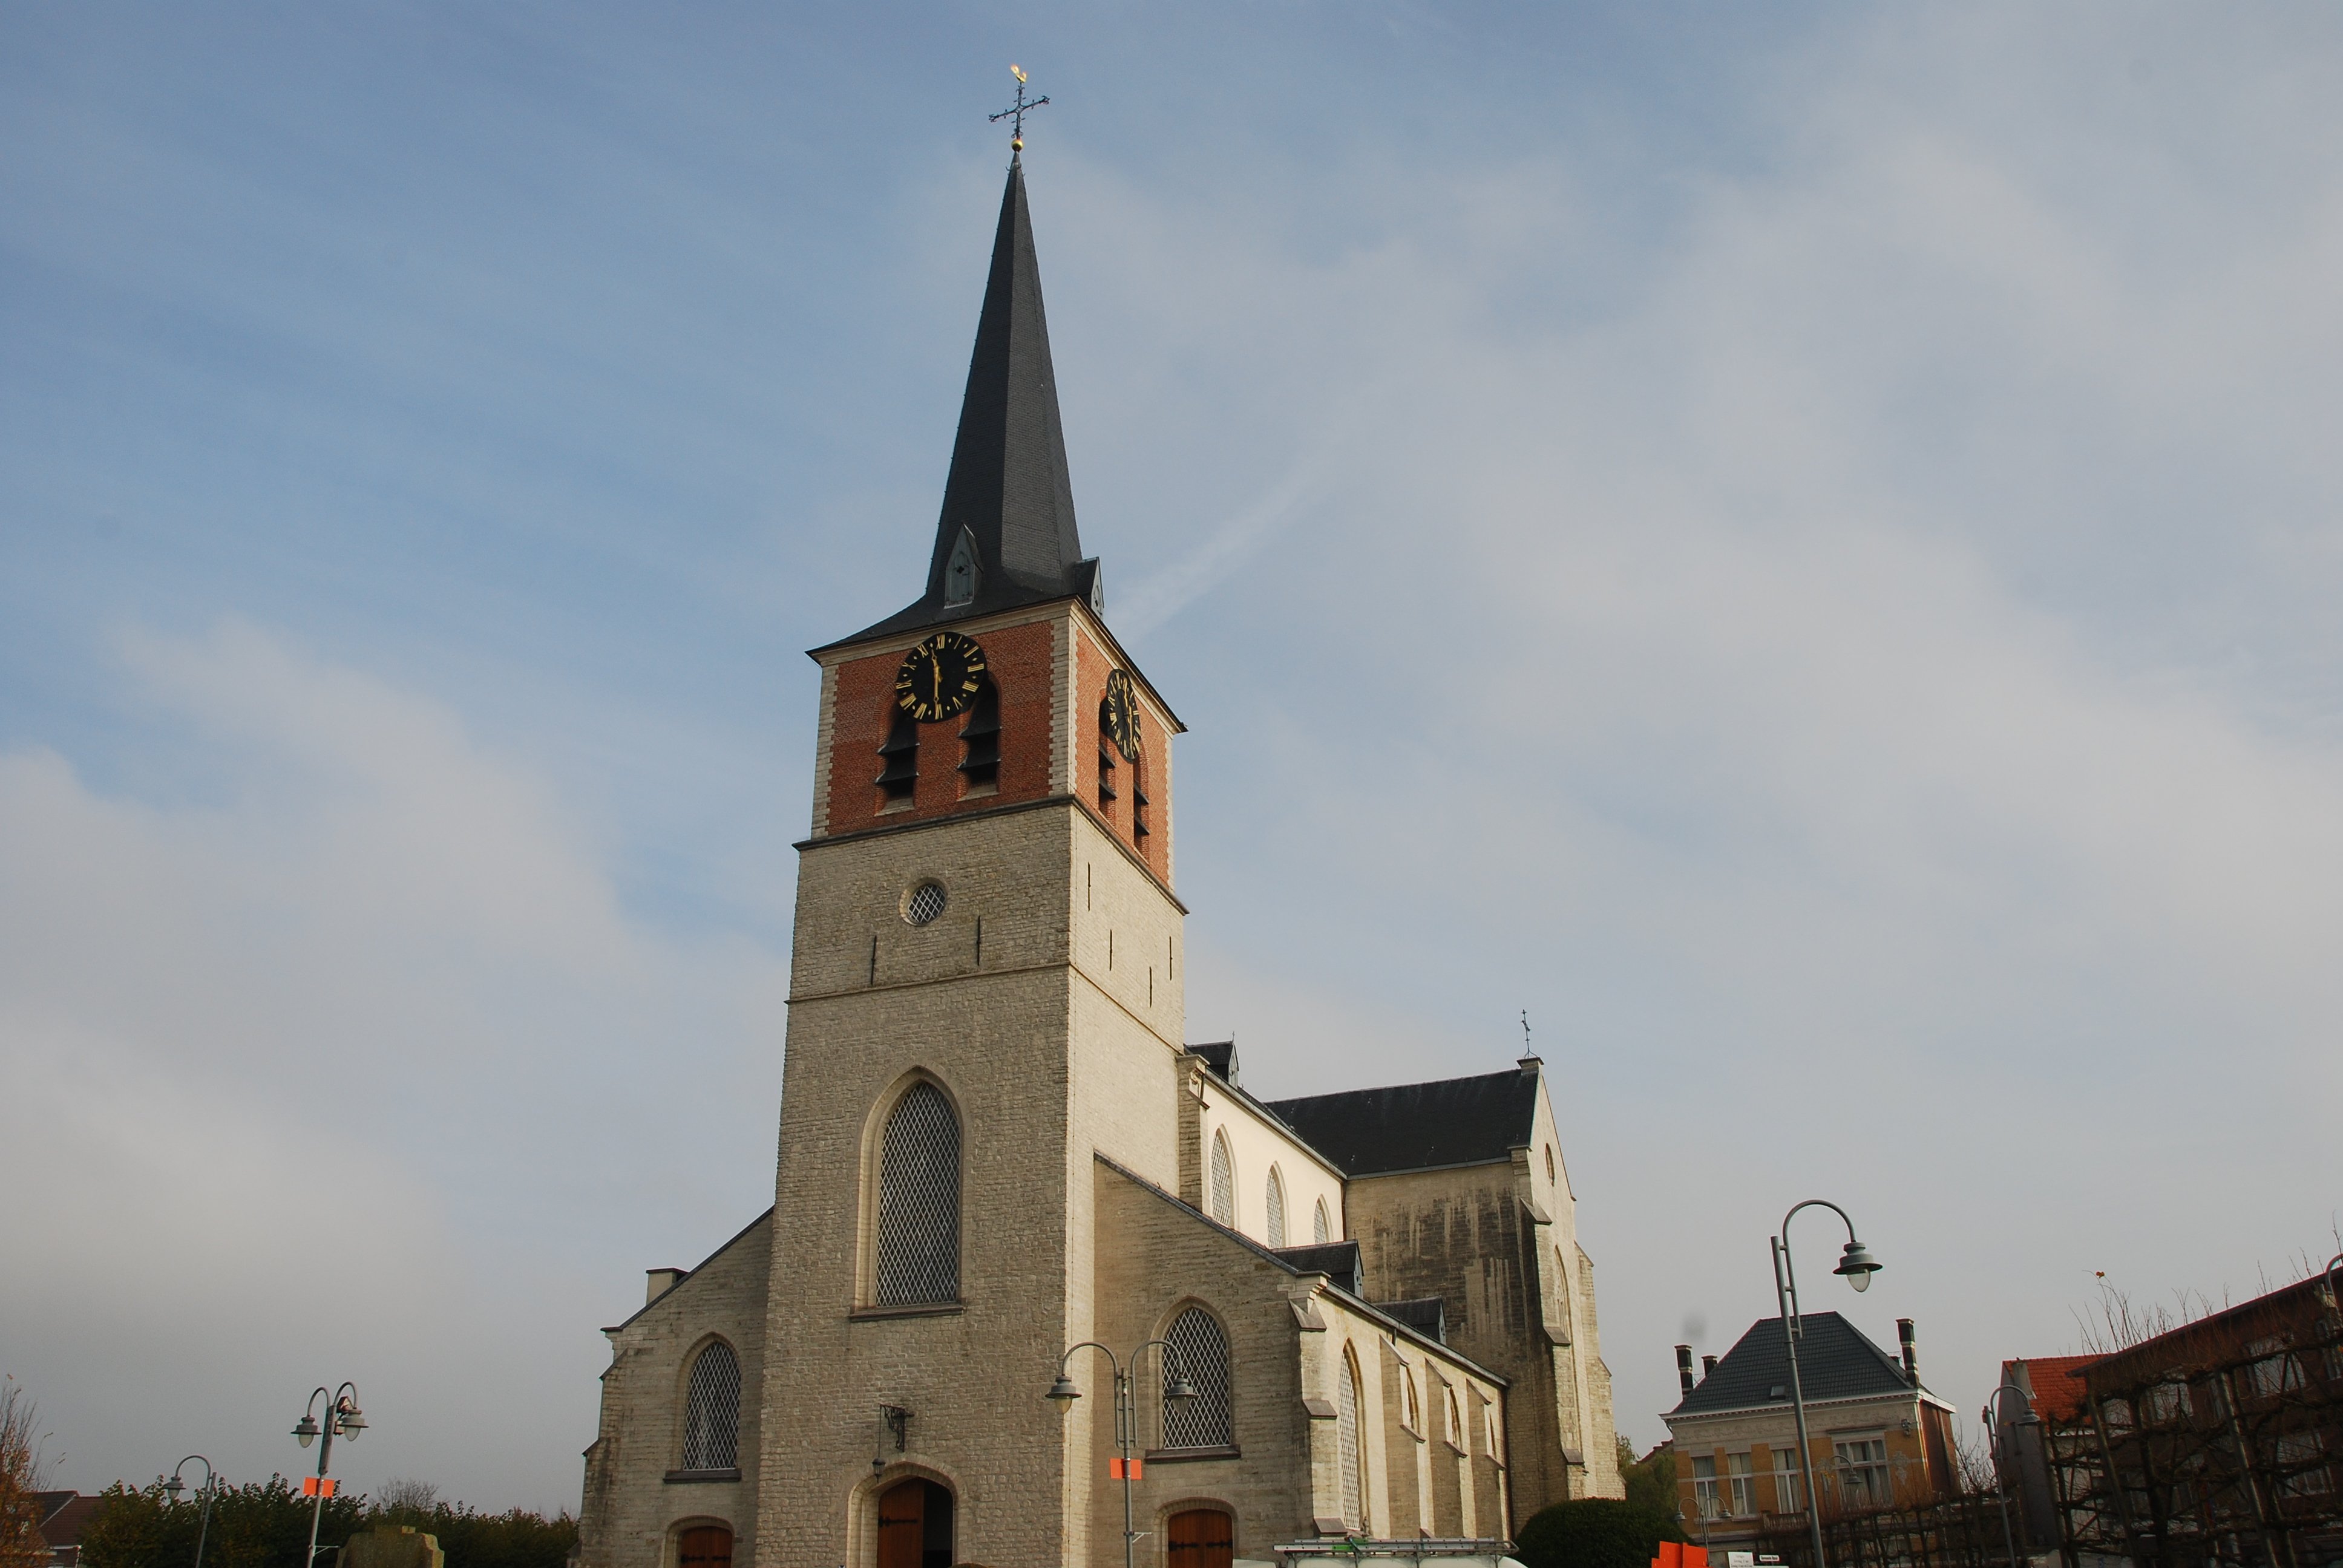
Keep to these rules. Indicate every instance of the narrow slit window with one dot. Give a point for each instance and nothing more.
(979, 763)
(898, 760)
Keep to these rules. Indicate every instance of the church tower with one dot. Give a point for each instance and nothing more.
(1284, 1327)
(985, 994)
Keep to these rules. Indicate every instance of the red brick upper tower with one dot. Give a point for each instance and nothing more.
(1000, 686)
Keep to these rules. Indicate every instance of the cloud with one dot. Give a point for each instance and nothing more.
(328, 1049)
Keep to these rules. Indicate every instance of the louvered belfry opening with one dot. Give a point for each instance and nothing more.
(1199, 1353)
(1106, 791)
(898, 760)
(919, 1201)
(711, 1411)
(1224, 1193)
(979, 763)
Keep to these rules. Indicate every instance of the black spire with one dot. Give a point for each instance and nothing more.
(1006, 536)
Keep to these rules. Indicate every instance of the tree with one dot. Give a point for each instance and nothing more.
(21, 1478)
(1596, 1533)
(1651, 1479)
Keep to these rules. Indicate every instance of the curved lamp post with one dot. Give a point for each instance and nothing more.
(1126, 1410)
(342, 1419)
(1855, 1265)
(1992, 1440)
(210, 1488)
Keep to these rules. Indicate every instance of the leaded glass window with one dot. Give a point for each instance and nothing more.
(1346, 1441)
(1199, 1353)
(1276, 1209)
(711, 1411)
(919, 1201)
(1322, 1230)
(1225, 1181)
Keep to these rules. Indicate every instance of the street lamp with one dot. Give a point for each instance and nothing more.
(2026, 1418)
(210, 1488)
(1855, 1265)
(343, 1419)
(1126, 1410)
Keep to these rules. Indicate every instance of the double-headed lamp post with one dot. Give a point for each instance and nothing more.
(342, 1419)
(2026, 1418)
(210, 1488)
(1126, 1410)
(1857, 1265)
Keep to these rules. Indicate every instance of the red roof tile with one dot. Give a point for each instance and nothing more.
(2058, 1382)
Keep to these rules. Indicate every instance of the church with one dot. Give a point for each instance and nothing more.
(1041, 1281)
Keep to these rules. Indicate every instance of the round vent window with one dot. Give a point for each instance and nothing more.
(923, 903)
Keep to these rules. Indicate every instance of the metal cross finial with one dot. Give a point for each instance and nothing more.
(1526, 1032)
(1015, 113)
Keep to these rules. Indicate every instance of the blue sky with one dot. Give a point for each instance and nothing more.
(1798, 546)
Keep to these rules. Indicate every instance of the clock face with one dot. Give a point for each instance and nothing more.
(940, 678)
(1122, 714)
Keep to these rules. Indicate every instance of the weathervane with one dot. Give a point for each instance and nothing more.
(1016, 111)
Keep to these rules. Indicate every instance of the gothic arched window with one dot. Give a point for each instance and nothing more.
(1224, 1194)
(711, 1411)
(919, 1201)
(1353, 1457)
(1199, 1353)
(1276, 1198)
(1322, 1230)
(1411, 1414)
(1455, 1423)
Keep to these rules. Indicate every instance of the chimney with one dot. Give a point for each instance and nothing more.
(1708, 1366)
(1684, 1367)
(1911, 1356)
(658, 1282)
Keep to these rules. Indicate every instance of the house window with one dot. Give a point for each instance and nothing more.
(1862, 1471)
(1704, 1485)
(899, 761)
(980, 738)
(1225, 1181)
(1353, 1454)
(1198, 1352)
(1740, 1485)
(711, 1411)
(1785, 1483)
(919, 1201)
(1276, 1209)
(1322, 1230)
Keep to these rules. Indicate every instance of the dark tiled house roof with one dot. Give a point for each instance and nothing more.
(1836, 1361)
(1417, 1126)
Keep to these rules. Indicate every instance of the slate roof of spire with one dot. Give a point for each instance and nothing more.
(1836, 1361)
(1417, 1126)
(1008, 491)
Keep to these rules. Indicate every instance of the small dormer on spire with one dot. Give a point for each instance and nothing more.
(1006, 535)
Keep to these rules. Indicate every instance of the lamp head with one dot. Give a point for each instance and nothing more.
(1064, 1392)
(1182, 1390)
(352, 1423)
(1856, 1263)
(174, 1486)
(304, 1431)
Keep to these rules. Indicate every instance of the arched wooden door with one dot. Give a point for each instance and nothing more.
(915, 1525)
(704, 1546)
(1201, 1538)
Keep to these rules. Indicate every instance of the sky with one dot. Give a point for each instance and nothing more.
(1795, 546)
